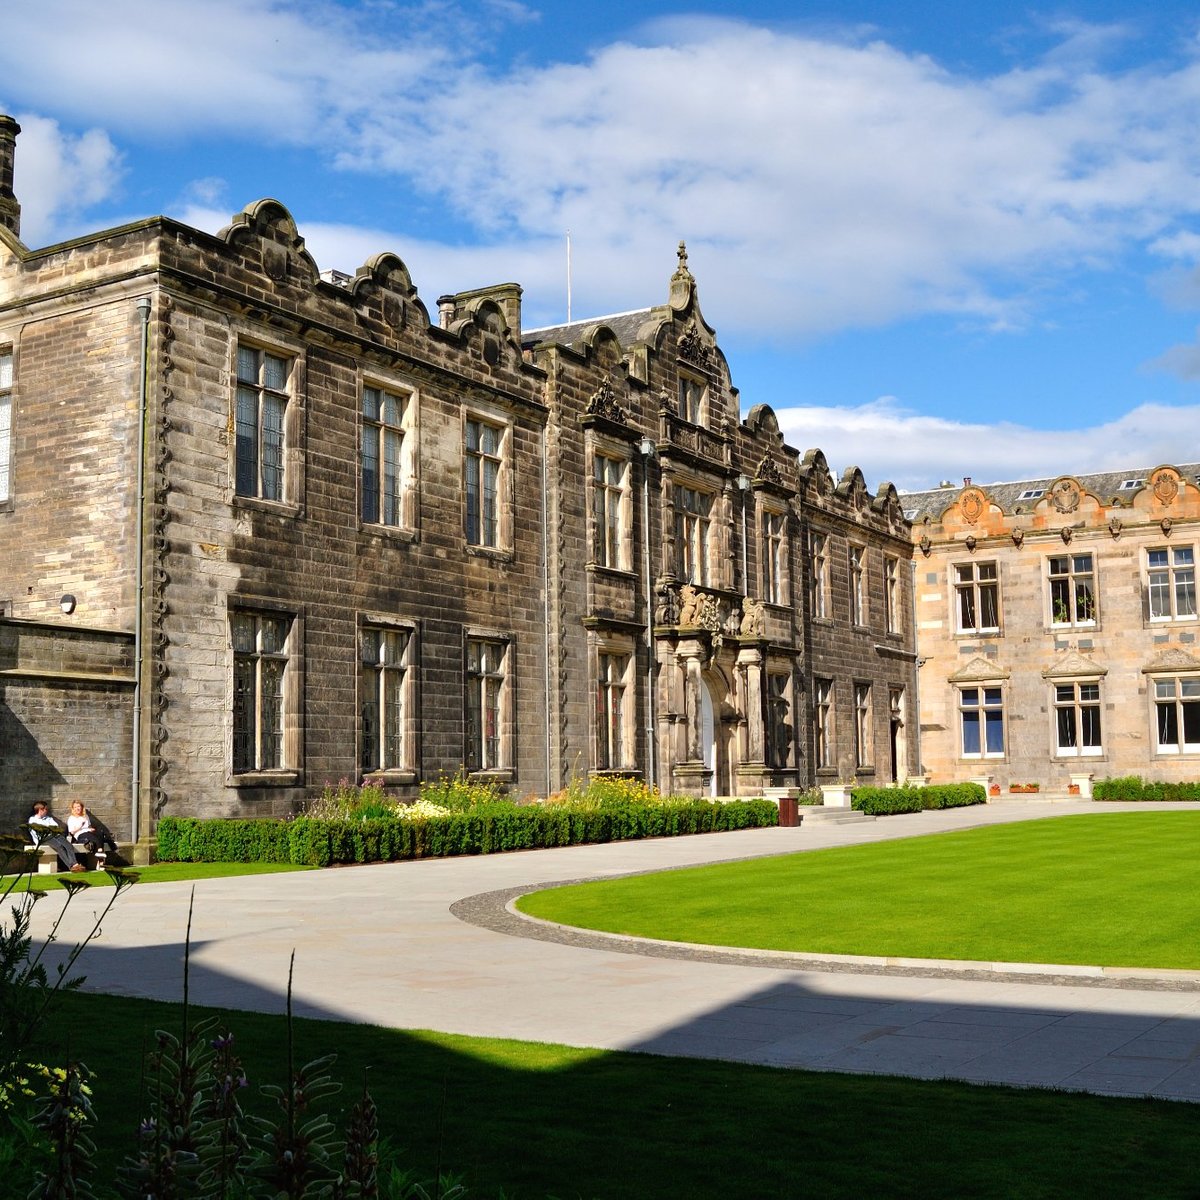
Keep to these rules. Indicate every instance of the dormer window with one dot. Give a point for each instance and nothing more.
(692, 396)
(1031, 493)
(1127, 485)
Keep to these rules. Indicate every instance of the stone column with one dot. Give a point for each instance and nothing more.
(10, 210)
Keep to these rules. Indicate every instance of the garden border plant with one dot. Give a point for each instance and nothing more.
(1133, 787)
(883, 802)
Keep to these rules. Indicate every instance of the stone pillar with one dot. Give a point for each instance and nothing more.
(750, 668)
(10, 210)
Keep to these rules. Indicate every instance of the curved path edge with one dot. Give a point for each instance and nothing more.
(496, 911)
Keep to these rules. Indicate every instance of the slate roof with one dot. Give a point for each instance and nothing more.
(1009, 496)
(625, 325)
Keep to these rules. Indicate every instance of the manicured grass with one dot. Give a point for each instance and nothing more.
(536, 1120)
(159, 873)
(1110, 889)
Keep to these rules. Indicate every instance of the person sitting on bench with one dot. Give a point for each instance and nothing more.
(89, 830)
(46, 830)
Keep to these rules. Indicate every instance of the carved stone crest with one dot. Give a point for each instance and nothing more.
(1065, 496)
(1018, 536)
(692, 348)
(754, 618)
(971, 506)
(1115, 527)
(604, 404)
(1067, 533)
(767, 470)
(667, 610)
(1166, 487)
(699, 609)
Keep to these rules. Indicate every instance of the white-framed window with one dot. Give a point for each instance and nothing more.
(774, 545)
(6, 383)
(612, 511)
(614, 698)
(892, 593)
(693, 533)
(858, 585)
(387, 456)
(864, 726)
(977, 597)
(692, 396)
(1077, 719)
(823, 731)
(264, 382)
(1171, 582)
(485, 471)
(260, 673)
(1072, 589)
(488, 737)
(385, 683)
(780, 731)
(981, 718)
(819, 553)
(1177, 714)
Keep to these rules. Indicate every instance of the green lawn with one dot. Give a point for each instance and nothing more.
(1110, 889)
(159, 873)
(533, 1120)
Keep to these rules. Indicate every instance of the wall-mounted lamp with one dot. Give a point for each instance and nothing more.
(67, 604)
(646, 447)
(743, 482)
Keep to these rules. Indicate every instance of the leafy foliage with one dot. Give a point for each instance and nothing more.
(880, 802)
(1133, 787)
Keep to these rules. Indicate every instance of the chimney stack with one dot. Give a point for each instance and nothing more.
(10, 210)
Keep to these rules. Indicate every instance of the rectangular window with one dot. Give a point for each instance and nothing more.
(858, 585)
(482, 470)
(383, 677)
(610, 512)
(1177, 715)
(823, 722)
(612, 749)
(486, 748)
(1072, 590)
(891, 593)
(819, 546)
(1172, 582)
(260, 662)
(978, 597)
(691, 399)
(262, 400)
(774, 552)
(779, 727)
(864, 728)
(386, 457)
(693, 524)
(1077, 718)
(981, 710)
(6, 382)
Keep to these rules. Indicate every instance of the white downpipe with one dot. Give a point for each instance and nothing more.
(143, 307)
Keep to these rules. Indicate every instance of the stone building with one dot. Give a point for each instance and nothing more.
(264, 527)
(1057, 626)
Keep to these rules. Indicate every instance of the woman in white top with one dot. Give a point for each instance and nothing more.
(85, 828)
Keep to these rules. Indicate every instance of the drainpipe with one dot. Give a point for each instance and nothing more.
(546, 595)
(646, 447)
(143, 307)
(743, 482)
(918, 661)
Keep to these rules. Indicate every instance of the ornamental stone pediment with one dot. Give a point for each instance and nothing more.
(1172, 660)
(979, 670)
(1072, 664)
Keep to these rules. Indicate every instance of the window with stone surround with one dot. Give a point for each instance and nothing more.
(264, 383)
(693, 535)
(263, 685)
(6, 383)
(892, 593)
(780, 727)
(614, 705)
(1072, 580)
(488, 701)
(819, 583)
(823, 730)
(981, 720)
(858, 585)
(774, 546)
(1171, 582)
(1077, 718)
(385, 696)
(693, 398)
(1177, 714)
(486, 486)
(977, 597)
(611, 510)
(864, 726)
(387, 454)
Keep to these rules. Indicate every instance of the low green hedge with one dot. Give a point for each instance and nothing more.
(1132, 787)
(321, 842)
(882, 802)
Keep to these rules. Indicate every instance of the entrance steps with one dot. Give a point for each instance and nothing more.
(1042, 797)
(819, 814)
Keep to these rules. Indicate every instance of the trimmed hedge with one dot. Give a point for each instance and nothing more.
(1133, 787)
(882, 802)
(489, 829)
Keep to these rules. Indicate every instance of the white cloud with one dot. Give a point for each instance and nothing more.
(891, 443)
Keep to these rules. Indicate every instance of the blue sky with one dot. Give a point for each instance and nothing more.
(939, 239)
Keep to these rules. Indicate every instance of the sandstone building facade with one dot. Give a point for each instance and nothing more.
(1057, 626)
(264, 527)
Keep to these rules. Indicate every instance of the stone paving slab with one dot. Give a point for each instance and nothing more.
(381, 944)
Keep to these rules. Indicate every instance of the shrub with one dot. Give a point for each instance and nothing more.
(189, 839)
(881, 802)
(1133, 787)
(460, 793)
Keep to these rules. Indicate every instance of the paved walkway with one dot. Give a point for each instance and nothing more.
(381, 944)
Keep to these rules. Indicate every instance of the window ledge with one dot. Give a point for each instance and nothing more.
(491, 553)
(283, 778)
(276, 508)
(493, 775)
(392, 777)
(623, 573)
(388, 533)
